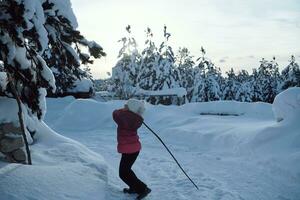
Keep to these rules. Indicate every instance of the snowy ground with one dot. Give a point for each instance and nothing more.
(246, 155)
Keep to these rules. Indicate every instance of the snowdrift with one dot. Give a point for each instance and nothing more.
(242, 136)
(240, 139)
(62, 168)
(85, 114)
(286, 105)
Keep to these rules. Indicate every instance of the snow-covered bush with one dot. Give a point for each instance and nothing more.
(286, 105)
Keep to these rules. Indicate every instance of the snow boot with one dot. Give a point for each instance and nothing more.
(143, 194)
(129, 191)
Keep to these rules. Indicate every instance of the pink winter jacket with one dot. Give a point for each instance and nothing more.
(128, 123)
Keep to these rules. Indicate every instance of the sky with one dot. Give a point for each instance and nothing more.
(235, 34)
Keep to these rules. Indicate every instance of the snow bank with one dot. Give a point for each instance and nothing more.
(83, 85)
(286, 105)
(62, 169)
(9, 106)
(262, 153)
(180, 92)
(87, 114)
(235, 108)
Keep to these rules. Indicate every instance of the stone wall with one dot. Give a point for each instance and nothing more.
(11, 143)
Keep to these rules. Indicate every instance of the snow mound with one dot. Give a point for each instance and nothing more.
(235, 108)
(62, 169)
(286, 105)
(85, 114)
(83, 85)
(247, 155)
(180, 92)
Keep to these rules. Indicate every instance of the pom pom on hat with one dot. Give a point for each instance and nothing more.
(136, 106)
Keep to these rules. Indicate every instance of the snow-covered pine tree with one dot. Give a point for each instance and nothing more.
(23, 39)
(166, 77)
(267, 81)
(290, 75)
(231, 86)
(207, 78)
(255, 86)
(149, 62)
(185, 64)
(244, 91)
(125, 72)
(67, 49)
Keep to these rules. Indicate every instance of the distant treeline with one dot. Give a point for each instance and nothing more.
(157, 68)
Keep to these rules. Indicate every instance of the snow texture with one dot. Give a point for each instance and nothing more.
(64, 8)
(232, 150)
(62, 168)
(3, 81)
(83, 85)
(244, 154)
(180, 92)
(286, 105)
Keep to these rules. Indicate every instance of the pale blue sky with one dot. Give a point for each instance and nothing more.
(235, 33)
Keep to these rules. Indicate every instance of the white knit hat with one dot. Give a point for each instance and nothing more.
(136, 106)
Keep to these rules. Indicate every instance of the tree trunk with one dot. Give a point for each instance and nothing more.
(20, 115)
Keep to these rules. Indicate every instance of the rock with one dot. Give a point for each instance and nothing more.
(10, 128)
(19, 155)
(8, 144)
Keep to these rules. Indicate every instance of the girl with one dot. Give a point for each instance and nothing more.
(129, 119)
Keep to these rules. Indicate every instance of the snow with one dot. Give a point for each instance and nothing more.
(246, 155)
(286, 105)
(235, 108)
(62, 169)
(180, 92)
(3, 81)
(34, 16)
(232, 150)
(47, 73)
(83, 85)
(64, 8)
(20, 55)
(72, 52)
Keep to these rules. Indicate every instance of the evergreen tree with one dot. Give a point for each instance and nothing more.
(67, 49)
(185, 63)
(244, 91)
(255, 87)
(165, 76)
(267, 81)
(206, 80)
(232, 85)
(23, 40)
(149, 63)
(290, 75)
(125, 72)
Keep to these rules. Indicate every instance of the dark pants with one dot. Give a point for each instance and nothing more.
(127, 175)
